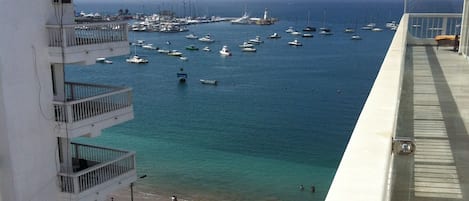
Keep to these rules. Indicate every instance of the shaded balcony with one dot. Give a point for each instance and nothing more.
(96, 172)
(89, 108)
(83, 43)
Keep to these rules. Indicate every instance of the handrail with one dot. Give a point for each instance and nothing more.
(363, 173)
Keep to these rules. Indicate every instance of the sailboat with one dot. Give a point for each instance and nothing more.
(324, 30)
(308, 27)
(136, 59)
(355, 35)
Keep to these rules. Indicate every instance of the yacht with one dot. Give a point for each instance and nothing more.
(175, 53)
(356, 37)
(191, 36)
(249, 49)
(295, 33)
(349, 30)
(163, 51)
(191, 47)
(211, 82)
(207, 39)
(207, 49)
(274, 35)
(295, 43)
(136, 60)
(325, 31)
(103, 60)
(149, 46)
(309, 29)
(242, 20)
(290, 29)
(225, 51)
(246, 45)
(376, 29)
(257, 40)
(307, 35)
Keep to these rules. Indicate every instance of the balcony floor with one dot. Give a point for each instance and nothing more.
(434, 110)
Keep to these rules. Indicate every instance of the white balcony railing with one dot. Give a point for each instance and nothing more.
(87, 34)
(86, 100)
(94, 166)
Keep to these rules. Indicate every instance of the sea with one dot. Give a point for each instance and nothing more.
(279, 118)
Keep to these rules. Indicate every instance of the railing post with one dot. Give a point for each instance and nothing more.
(68, 113)
(64, 37)
(76, 184)
(444, 26)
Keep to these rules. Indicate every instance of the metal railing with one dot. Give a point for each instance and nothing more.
(87, 34)
(429, 25)
(104, 165)
(87, 100)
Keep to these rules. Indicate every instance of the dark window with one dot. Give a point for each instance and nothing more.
(62, 1)
(54, 90)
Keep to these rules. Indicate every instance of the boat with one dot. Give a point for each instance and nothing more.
(242, 20)
(225, 51)
(103, 60)
(191, 36)
(349, 30)
(274, 36)
(183, 58)
(182, 76)
(207, 49)
(325, 31)
(211, 82)
(376, 29)
(307, 35)
(391, 24)
(295, 43)
(356, 37)
(295, 33)
(136, 60)
(369, 26)
(246, 45)
(149, 46)
(175, 53)
(163, 51)
(207, 38)
(257, 40)
(309, 28)
(290, 29)
(191, 47)
(249, 49)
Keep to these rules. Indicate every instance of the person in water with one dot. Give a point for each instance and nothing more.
(302, 188)
(313, 189)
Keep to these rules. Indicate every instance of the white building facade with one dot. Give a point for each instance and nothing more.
(40, 112)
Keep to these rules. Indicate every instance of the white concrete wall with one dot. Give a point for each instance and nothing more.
(28, 146)
(364, 169)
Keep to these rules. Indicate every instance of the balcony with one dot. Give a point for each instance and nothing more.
(90, 108)
(97, 171)
(419, 93)
(83, 43)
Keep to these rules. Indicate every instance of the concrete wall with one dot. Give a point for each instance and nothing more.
(28, 146)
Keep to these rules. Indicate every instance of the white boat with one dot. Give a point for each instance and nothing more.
(163, 51)
(356, 37)
(349, 30)
(140, 42)
(246, 45)
(391, 24)
(295, 43)
(191, 36)
(175, 53)
(183, 58)
(290, 29)
(136, 60)
(212, 82)
(103, 60)
(242, 20)
(257, 40)
(307, 35)
(376, 29)
(207, 49)
(325, 31)
(249, 49)
(296, 33)
(149, 46)
(274, 35)
(207, 39)
(225, 51)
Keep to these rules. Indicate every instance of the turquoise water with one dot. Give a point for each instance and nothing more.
(279, 117)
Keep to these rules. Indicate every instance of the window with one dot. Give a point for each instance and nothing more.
(62, 1)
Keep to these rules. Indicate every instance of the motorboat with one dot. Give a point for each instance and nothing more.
(307, 35)
(191, 36)
(149, 46)
(207, 49)
(163, 51)
(376, 29)
(249, 49)
(225, 51)
(290, 29)
(349, 30)
(136, 60)
(183, 58)
(369, 26)
(103, 60)
(191, 47)
(211, 82)
(295, 43)
(257, 40)
(206, 38)
(246, 45)
(175, 53)
(295, 33)
(391, 24)
(274, 35)
(356, 37)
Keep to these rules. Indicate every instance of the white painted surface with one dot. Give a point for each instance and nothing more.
(364, 169)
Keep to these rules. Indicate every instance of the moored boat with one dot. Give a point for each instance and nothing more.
(225, 51)
(191, 36)
(274, 35)
(136, 60)
(207, 38)
(249, 49)
(191, 47)
(211, 82)
(256, 40)
(207, 49)
(175, 53)
(246, 44)
(295, 43)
